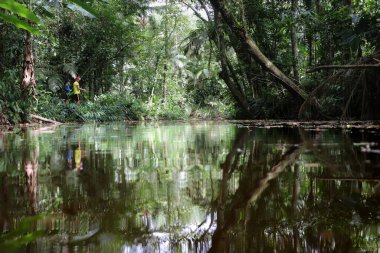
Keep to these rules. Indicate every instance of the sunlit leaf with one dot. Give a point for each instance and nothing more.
(44, 11)
(80, 9)
(18, 9)
(18, 23)
(83, 7)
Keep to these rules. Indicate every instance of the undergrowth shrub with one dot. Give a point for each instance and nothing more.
(215, 110)
(118, 107)
(10, 104)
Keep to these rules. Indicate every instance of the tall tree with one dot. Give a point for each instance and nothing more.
(293, 35)
(227, 73)
(309, 33)
(28, 85)
(28, 79)
(253, 50)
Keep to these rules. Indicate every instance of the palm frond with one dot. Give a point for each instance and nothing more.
(70, 68)
(195, 41)
(55, 82)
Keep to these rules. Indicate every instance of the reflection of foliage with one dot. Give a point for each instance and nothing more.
(21, 235)
(333, 208)
(157, 184)
(131, 173)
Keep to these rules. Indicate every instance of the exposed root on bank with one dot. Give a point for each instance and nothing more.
(349, 92)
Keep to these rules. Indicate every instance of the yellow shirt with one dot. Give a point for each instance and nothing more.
(76, 87)
(77, 156)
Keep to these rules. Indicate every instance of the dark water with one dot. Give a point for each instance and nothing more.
(189, 187)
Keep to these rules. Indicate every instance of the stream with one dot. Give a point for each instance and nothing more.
(190, 187)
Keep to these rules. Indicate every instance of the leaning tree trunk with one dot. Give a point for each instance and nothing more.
(256, 54)
(227, 73)
(28, 80)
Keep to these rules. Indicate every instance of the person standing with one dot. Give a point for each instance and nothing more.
(68, 90)
(77, 89)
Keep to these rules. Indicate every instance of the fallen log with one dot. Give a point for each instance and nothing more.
(45, 119)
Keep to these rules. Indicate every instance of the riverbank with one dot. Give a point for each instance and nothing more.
(311, 125)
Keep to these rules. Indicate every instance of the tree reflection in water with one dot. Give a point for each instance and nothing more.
(323, 213)
(31, 173)
(189, 188)
(250, 188)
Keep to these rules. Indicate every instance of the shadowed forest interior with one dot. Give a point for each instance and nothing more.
(254, 59)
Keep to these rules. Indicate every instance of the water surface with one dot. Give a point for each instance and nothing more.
(189, 187)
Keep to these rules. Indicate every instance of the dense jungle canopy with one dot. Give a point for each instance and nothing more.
(178, 59)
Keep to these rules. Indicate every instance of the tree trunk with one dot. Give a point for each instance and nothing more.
(293, 35)
(166, 50)
(226, 74)
(309, 34)
(28, 80)
(256, 54)
(243, 196)
(245, 60)
(31, 175)
(28, 84)
(327, 43)
(248, 66)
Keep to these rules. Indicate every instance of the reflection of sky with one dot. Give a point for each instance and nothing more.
(161, 241)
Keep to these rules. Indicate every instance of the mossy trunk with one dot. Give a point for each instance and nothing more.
(28, 84)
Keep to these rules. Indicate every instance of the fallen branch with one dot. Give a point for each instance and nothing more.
(45, 119)
(358, 66)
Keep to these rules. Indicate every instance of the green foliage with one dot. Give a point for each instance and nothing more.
(163, 63)
(215, 110)
(20, 10)
(42, 8)
(85, 8)
(127, 51)
(107, 107)
(118, 107)
(10, 103)
(51, 107)
(113, 107)
(22, 235)
(279, 106)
